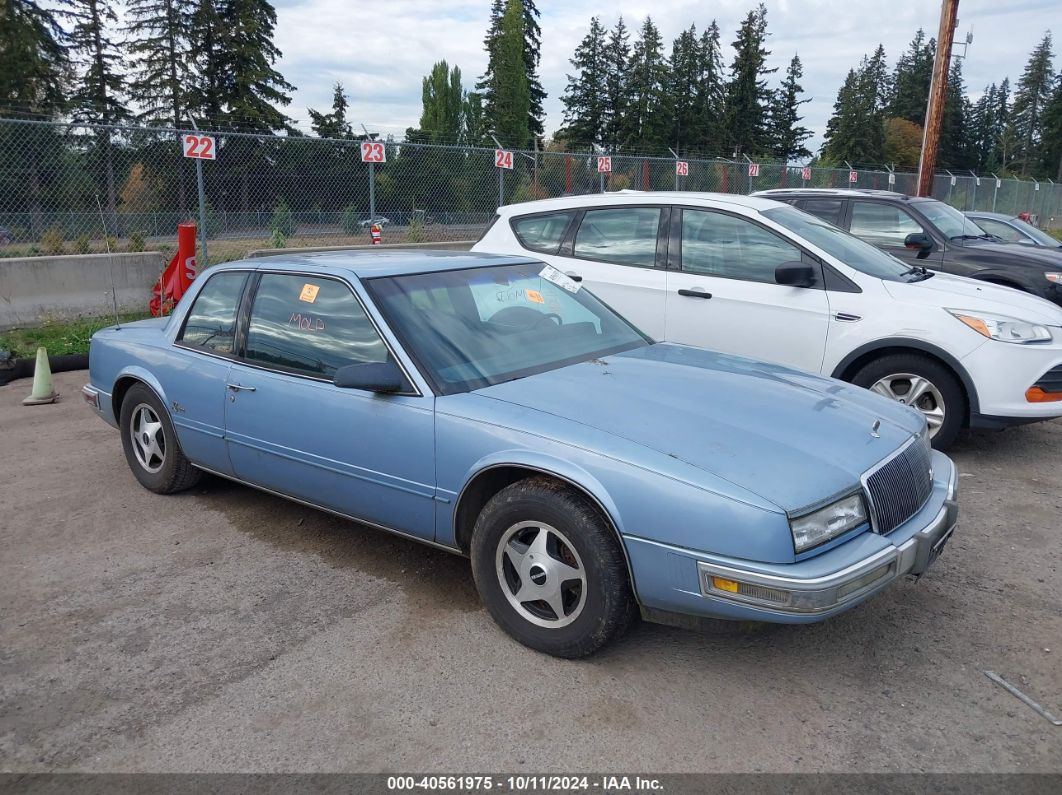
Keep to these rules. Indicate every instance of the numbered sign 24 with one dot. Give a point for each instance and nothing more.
(754, 169)
(373, 152)
(503, 158)
(604, 165)
(682, 168)
(199, 147)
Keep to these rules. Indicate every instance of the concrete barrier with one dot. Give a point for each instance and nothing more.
(34, 290)
(447, 245)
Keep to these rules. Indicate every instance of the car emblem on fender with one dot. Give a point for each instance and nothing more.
(874, 429)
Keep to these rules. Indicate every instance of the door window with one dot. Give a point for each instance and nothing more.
(882, 224)
(715, 244)
(625, 235)
(307, 325)
(1001, 230)
(542, 232)
(211, 321)
(829, 210)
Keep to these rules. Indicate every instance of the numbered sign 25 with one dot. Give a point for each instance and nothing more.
(604, 165)
(373, 152)
(682, 168)
(200, 147)
(503, 159)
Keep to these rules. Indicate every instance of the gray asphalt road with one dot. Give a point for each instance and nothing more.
(227, 630)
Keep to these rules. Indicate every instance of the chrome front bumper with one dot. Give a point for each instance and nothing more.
(830, 593)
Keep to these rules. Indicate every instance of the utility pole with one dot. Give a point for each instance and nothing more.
(938, 92)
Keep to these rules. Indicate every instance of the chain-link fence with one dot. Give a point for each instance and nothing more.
(70, 189)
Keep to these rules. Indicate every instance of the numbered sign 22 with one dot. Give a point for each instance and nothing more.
(373, 152)
(682, 168)
(604, 165)
(503, 159)
(805, 174)
(200, 147)
(754, 169)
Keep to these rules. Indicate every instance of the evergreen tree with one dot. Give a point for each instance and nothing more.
(333, 124)
(33, 57)
(617, 66)
(160, 58)
(710, 93)
(585, 98)
(442, 99)
(1030, 99)
(955, 143)
(647, 126)
(787, 134)
(508, 111)
(982, 123)
(683, 90)
(1051, 154)
(747, 96)
(911, 79)
(856, 131)
(532, 47)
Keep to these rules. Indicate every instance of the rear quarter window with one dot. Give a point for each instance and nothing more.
(542, 232)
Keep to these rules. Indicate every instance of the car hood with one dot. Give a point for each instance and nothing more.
(790, 437)
(958, 292)
(1050, 258)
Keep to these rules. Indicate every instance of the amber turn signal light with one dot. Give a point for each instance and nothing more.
(1037, 395)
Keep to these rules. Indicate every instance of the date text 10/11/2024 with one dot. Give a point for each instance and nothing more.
(524, 783)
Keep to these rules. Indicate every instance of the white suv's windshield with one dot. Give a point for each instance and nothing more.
(848, 249)
(472, 328)
(951, 223)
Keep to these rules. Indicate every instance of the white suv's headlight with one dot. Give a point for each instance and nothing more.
(1004, 329)
(835, 519)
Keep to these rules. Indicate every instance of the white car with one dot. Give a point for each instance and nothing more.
(759, 278)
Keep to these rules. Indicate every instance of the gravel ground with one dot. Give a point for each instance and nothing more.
(226, 630)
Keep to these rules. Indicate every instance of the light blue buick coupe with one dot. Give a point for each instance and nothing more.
(490, 406)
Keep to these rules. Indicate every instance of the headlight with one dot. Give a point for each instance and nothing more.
(829, 522)
(1004, 329)
(1053, 277)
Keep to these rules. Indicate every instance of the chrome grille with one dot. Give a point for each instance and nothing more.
(900, 485)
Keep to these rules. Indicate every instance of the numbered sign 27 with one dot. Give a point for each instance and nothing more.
(373, 152)
(682, 168)
(754, 169)
(199, 147)
(604, 165)
(503, 158)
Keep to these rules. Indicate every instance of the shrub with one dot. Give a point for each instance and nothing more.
(52, 240)
(136, 242)
(82, 245)
(416, 229)
(350, 220)
(283, 220)
(279, 239)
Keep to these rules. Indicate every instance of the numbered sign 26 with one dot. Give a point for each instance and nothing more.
(682, 168)
(200, 147)
(503, 158)
(853, 176)
(754, 169)
(805, 174)
(604, 165)
(373, 152)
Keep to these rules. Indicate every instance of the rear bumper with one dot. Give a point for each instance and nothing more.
(678, 581)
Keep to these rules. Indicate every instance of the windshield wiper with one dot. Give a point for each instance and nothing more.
(919, 271)
(970, 237)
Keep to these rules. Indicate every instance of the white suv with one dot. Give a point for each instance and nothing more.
(759, 278)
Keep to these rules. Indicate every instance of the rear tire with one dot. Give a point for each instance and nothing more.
(150, 443)
(550, 569)
(924, 384)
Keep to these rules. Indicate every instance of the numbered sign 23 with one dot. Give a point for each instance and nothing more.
(373, 152)
(604, 165)
(200, 147)
(503, 159)
(682, 168)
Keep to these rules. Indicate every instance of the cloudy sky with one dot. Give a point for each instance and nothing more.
(380, 51)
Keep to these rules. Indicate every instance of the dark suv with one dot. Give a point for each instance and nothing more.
(930, 233)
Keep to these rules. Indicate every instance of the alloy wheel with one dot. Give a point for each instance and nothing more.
(541, 574)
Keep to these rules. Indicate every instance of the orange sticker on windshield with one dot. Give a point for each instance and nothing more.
(536, 296)
(309, 293)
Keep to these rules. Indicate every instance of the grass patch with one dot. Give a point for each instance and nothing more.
(60, 338)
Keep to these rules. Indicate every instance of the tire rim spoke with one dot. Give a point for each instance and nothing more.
(919, 393)
(541, 574)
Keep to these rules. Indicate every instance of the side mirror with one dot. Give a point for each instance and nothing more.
(795, 274)
(919, 241)
(372, 377)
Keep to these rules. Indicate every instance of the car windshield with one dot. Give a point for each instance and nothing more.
(1038, 235)
(837, 243)
(481, 326)
(951, 223)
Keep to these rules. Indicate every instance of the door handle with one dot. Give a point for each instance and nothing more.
(694, 293)
(575, 277)
(240, 387)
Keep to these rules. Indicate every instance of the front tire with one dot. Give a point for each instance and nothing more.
(150, 443)
(924, 384)
(550, 570)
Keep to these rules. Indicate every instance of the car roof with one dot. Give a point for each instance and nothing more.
(986, 214)
(623, 197)
(885, 194)
(373, 264)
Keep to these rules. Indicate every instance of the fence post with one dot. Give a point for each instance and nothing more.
(200, 267)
